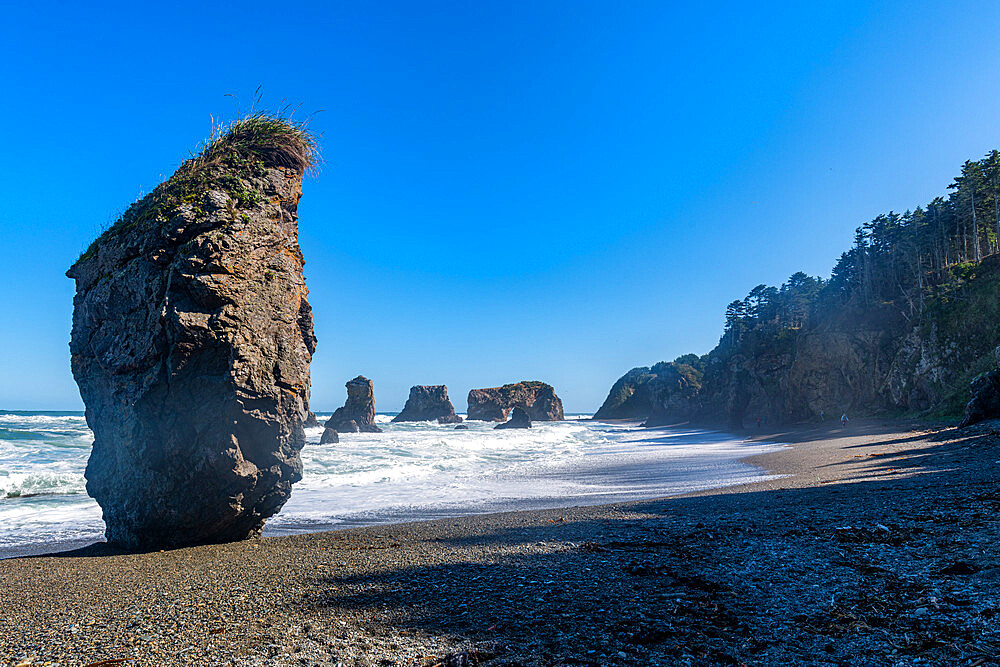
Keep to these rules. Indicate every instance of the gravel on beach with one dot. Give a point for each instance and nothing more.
(878, 546)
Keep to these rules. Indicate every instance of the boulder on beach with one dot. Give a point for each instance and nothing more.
(427, 403)
(985, 401)
(329, 436)
(191, 344)
(358, 413)
(537, 399)
(518, 419)
(462, 427)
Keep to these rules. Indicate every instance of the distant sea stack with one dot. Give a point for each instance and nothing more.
(538, 400)
(358, 413)
(428, 403)
(191, 344)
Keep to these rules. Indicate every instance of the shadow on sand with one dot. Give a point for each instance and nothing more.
(815, 574)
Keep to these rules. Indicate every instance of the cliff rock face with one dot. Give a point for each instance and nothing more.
(538, 399)
(518, 419)
(427, 403)
(358, 413)
(826, 371)
(191, 344)
(662, 394)
(909, 316)
(872, 362)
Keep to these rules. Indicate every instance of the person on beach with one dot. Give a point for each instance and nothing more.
(758, 422)
(822, 416)
(844, 420)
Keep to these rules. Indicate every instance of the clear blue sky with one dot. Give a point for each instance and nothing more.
(539, 190)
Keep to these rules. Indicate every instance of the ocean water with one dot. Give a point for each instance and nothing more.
(412, 471)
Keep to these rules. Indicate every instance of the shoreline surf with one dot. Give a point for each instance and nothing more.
(416, 472)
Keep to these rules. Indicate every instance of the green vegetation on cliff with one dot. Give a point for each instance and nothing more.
(665, 391)
(909, 316)
(918, 292)
(234, 153)
(901, 265)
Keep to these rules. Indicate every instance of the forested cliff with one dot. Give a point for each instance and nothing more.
(909, 316)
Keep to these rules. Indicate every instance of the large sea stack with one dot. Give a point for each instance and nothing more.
(191, 344)
(538, 399)
(662, 394)
(428, 403)
(358, 413)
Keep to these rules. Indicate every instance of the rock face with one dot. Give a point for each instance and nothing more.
(345, 426)
(985, 401)
(329, 436)
(358, 413)
(311, 421)
(873, 362)
(823, 371)
(662, 394)
(538, 400)
(518, 419)
(673, 394)
(427, 403)
(191, 345)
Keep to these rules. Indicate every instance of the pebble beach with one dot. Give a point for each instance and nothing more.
(876, 544)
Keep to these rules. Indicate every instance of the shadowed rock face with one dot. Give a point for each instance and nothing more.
(518, 419)
(329, 436)
(191, 344)
(663, 394)
(985, 401)
(427, 403)
(538, 399)
(358, 413)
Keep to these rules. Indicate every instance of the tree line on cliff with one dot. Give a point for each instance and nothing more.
(906, 316)
(898, 260)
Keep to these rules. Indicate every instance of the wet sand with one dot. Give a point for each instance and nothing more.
(878, 546)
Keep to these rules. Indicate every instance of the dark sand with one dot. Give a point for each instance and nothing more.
(879, 547)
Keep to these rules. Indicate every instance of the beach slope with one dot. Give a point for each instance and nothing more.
(878, 546)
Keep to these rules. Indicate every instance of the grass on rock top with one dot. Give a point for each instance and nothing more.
(244, 147)
(275, 140)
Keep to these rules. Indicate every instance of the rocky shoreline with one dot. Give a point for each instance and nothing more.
(879, 546)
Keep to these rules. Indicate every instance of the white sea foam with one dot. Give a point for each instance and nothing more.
(421, 469)
(410, 471)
